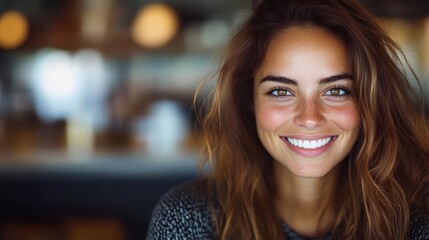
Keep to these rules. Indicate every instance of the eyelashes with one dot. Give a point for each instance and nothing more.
(337, 91)
(283, 92)
(279, 92)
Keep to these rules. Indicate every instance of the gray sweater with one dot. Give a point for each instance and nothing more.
(184, 213)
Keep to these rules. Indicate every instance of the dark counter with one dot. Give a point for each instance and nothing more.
(124, 189)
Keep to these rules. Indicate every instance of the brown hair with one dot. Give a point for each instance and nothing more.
(386, 174)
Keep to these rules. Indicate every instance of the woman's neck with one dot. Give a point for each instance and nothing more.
(306, 204)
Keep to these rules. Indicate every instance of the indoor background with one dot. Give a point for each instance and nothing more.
(96, 105)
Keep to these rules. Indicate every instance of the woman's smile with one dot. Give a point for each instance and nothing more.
(309, 146)
(309, 143)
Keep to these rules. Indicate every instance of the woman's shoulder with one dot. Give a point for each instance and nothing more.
(183, 213)
(419, 227)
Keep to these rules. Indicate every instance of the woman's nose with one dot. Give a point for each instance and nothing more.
(309, 114)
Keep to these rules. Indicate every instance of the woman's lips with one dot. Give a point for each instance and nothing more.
(309, 146)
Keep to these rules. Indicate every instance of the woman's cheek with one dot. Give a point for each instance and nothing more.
(271, 117)
(347, 117)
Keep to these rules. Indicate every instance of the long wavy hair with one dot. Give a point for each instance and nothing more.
(385, 177)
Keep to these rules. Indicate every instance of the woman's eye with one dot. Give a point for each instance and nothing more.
(279, 93)
(336, 92)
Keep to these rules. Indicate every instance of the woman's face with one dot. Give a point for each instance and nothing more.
(306, 115)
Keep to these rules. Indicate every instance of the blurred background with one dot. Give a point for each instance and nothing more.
(96, 115)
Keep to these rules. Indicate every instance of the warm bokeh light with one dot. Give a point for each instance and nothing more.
(13, 29)
(155, 25)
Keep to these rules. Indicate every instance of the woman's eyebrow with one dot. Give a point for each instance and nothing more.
(285, 80)
(343, 76)
(279, 79)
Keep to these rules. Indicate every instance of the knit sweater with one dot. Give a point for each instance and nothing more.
(184, 213)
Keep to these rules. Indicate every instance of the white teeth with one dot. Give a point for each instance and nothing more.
(309, 144)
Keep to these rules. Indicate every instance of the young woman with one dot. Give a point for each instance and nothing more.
(313, 132)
